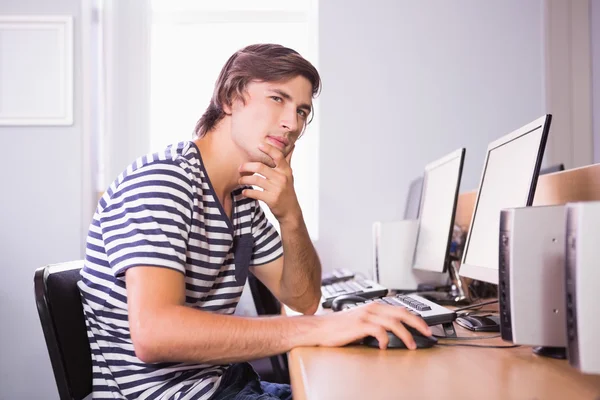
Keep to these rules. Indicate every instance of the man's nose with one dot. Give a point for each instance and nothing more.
(289, 120)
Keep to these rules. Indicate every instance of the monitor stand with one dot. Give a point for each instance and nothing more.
(559, 353)
(445, 298)
(455, 296)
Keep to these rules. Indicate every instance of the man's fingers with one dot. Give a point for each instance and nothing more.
(257, 168)
(272, 152)
(256, 180)
(400, 330)
(256, 195)
(419, 324)
(395, 326)
(401, 314)
(380, 334)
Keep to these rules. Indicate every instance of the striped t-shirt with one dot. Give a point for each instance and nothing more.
(162, 211)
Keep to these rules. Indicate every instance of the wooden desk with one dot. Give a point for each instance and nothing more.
(359, 372)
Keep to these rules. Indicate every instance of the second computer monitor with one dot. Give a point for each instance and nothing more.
(509, 179)
(441, 183)
(413, 200)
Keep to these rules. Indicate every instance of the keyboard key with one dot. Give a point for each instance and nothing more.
(367, 289)
(432, 313)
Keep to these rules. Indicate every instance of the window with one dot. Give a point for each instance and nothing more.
(191, 40)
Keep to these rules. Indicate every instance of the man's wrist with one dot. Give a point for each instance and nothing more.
(309, 331)
(292, 220)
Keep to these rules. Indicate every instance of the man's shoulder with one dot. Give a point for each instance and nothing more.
(177, 166)
(183, 154)
(177, 159)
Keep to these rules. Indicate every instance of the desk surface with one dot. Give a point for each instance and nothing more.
(359, 372)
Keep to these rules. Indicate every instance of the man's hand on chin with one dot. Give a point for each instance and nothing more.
(277, 183)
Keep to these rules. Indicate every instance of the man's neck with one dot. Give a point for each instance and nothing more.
(221, 159)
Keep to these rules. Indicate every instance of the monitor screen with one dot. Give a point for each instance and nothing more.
(413, 200)
(509, 178)
(438, 204)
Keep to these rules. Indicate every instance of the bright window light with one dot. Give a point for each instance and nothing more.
(191, 40)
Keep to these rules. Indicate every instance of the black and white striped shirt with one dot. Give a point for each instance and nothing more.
(162, 211)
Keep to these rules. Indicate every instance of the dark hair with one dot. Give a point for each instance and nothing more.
(262, 62)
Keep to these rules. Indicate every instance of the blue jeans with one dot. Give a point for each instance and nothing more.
(241, 382)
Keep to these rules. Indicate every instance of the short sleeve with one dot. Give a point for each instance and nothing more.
(267, 242)
(148, 218)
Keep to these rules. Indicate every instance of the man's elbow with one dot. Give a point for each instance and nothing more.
(312, 309)
(145, 343)
(316, 301)
(307, 303)
(146, 355)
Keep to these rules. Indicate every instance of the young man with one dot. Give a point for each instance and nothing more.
(174, 237)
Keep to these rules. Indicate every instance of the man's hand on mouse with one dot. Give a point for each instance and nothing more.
(341, 328)
(277, 183)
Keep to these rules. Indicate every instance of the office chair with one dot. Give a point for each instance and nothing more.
(267, 304)
(59, 307)
(61, 315)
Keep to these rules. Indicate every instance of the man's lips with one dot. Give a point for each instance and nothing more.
(279, 142)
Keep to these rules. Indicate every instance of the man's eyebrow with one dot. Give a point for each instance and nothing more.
(288, 97)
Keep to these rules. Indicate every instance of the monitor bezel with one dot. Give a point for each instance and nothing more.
(460, 154)
(487, 274)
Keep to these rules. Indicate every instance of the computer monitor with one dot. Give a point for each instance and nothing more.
(441, 183)
(552, 169)
(413, 200)
(508, 180)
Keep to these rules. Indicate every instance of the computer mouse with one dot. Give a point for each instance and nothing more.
(340, 301)
(480, 323)
(395, 342)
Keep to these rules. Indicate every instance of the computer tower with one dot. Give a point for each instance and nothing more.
(531, 277)
(582, 278)
(393, 252)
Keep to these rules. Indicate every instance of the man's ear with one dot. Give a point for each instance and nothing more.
(226, 108)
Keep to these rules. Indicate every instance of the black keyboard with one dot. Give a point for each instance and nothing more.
(362, 287)
(337, 275)
(432, 313)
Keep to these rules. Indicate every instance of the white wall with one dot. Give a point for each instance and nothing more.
(127, 69)
(595, 43)
(40, 222)
(405, 82)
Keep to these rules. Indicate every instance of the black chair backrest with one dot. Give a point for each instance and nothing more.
(264, 301)
(267, 304)
(61, 315)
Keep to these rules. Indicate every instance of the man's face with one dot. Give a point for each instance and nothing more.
(274, 112)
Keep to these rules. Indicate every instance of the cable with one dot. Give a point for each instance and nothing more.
(467, 337)
(485, 303)
(477, 312)
(477, 345)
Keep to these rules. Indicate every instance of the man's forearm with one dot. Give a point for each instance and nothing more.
(301, 277)
(184, 334)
